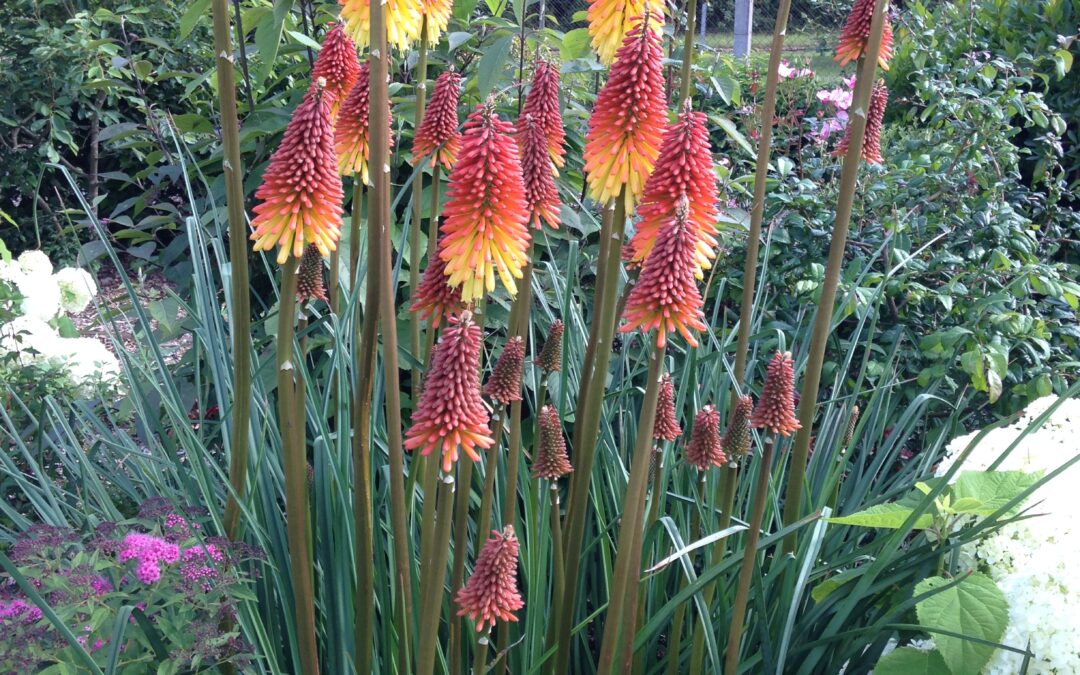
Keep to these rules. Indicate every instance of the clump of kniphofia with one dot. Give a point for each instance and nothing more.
(491, 593)
(352, 133)
(542, 104)
(538, 175)
(550, 358)
(875, 117)
(309, 279)
(451, 413)
(706, 447)
(856, 34)
(775, 410)
(551, 461)
(666, 297)
(300, 196)
(504, 384)
(666, 427)
(337, 65)
(435, 297)
(438, 135)
(737, 437)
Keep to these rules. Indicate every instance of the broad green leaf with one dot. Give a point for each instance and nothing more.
(268, 36)
(993, 489)
(975, 607)
(575, 45)
(733, 133)
(491, 66)
(195, 11)
(911, 661)
(889, 516)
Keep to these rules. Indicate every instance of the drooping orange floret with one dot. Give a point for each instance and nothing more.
(737, 437)
(666, 427)
(403, 21)
(337, 65)
(351, 132)
(611, 20)
(300, 196)
(542, 103)
(309, 278)
(775, 410)
(552, 462)
(875, 116)
(491, 593)
(451, 413)
(550, 358)
(856, 33)
(434, 297)
(438, 135)
(628, 120)
(684, 169)
(437, 13)
(486, 227)
(706, 448)
(504, 384)
(541, 195)
(666, 296)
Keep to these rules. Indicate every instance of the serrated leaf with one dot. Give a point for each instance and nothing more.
(890, 516)
(993, 489)
(974, 607)
(911, 661)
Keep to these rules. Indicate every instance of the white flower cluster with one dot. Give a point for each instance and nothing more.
(1036, 561)
(32, 334)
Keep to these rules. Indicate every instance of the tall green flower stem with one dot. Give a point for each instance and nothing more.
(417, 199)
(294, 465)
(753, 534)
(637, 602)
(433, 578)
(238, 263)
(432, 243)
(461, 548)
(688, 53)
(487, 498)
(627, 571)
(379, 218)
(864, 85)
(674, 647)
(586, 431)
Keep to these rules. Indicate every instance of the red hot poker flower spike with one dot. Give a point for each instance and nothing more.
(437, 13)
(504, 385)
(552, 462)
(684, 169)
(856, 33)
(486, 227)
(337, 65)
(438, 134)
(550, 358)
(628, 120)
(309, 279)
(434, 297)
(491, 593)
(666, 297)
(871, 148)
(706, 448)
(451, 414)
(542, 103)
(666, 427)
(351, 133)
(300, 196)
(611, 20)
(775, 410)
(737, 437)
(538, 174)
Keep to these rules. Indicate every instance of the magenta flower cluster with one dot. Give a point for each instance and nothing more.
(149, 553)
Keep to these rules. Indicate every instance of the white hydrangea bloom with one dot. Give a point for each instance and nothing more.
(10, 271)
(1036, 562)
(91, 366)
(31, 338)
(77, 288)
(41, 296)
(35, 264)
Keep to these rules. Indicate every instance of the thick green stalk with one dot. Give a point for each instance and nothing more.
(761, 174)
(417, 201)
(729, 480)
(461, 551)
(864, 85)
(294, 465)
(480, 657)
(556, 542)
(636, 664)
(688, 52)
(627, 574)
(753, 534)
(432, 242)
(487, 499)
(354, 230)
(333, 283)
(379, 218)
(590, 402)
(434, 577)
(674, 645)
(238, 262)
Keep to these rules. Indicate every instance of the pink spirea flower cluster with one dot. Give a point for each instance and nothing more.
(149, 553)
(201, 565)
(18, 611)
